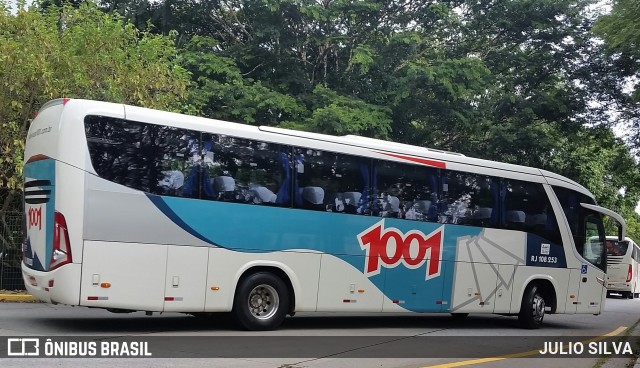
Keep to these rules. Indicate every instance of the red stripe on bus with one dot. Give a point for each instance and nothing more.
(424, 161)
(37, 158)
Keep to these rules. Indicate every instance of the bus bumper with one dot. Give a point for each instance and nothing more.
(60, 286)
(618, 286)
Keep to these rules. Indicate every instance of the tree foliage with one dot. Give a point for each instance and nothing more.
(78, 52)
(620, 31)
(498, 79)
(621, 34)
(221, 91)
(521, 81)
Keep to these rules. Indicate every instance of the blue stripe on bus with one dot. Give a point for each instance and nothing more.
(259, 228)
(167, 211)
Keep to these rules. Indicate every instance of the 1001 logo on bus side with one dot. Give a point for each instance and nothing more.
(390, 247)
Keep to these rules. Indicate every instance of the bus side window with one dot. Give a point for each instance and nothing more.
(405, 191)
(178, 163)
(469, 199)
(147, 157)
(333, 182)
(526, 207)
(246, 171)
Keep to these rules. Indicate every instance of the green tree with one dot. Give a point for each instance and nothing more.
(336, 114)
(633, 226)
(619, 29)
(221, 91)
(508, 80)
(620, 32)
(79, 53)
(603, 164)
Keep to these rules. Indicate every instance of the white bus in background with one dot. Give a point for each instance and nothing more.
(132, 209)
(622, 267)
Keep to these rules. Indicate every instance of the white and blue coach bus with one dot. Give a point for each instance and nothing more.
(132, 209)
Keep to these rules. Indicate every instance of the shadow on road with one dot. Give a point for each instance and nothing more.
(138, 323)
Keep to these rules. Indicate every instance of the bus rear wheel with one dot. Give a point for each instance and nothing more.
(261, 302)
(532, 308)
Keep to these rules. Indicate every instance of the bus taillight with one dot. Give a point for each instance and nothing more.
(24, 237)
(61, 254)
(630, 273)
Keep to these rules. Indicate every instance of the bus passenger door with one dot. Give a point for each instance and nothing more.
(592, 290)
(573, 291)
(588, 294)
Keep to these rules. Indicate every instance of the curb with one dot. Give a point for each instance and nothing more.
(17, 298)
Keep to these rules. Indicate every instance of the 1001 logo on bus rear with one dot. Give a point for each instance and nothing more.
(35, 217)
(390, 247)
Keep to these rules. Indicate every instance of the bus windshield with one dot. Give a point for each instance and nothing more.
(586, 226)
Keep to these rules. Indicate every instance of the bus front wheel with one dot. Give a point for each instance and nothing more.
(261, 302)
(532, 308)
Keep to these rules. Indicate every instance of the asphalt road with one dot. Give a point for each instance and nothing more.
(315, 340)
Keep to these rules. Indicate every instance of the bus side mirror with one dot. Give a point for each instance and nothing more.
(622, 225)
(620, 234)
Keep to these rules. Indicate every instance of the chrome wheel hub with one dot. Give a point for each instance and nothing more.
(538, 308)
(263, 301)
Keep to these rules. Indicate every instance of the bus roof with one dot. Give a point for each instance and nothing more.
(382, 145)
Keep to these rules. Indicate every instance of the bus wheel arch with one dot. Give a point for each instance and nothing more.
(268, 286)
(539, 295)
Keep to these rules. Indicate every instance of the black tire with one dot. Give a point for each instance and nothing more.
(459, 316)
(532, 309)
(261, 302)
(629, 295)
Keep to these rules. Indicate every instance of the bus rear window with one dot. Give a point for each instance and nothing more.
(617, 248)
(152, 158)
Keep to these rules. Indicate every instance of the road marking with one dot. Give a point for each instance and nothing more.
(615, 332)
